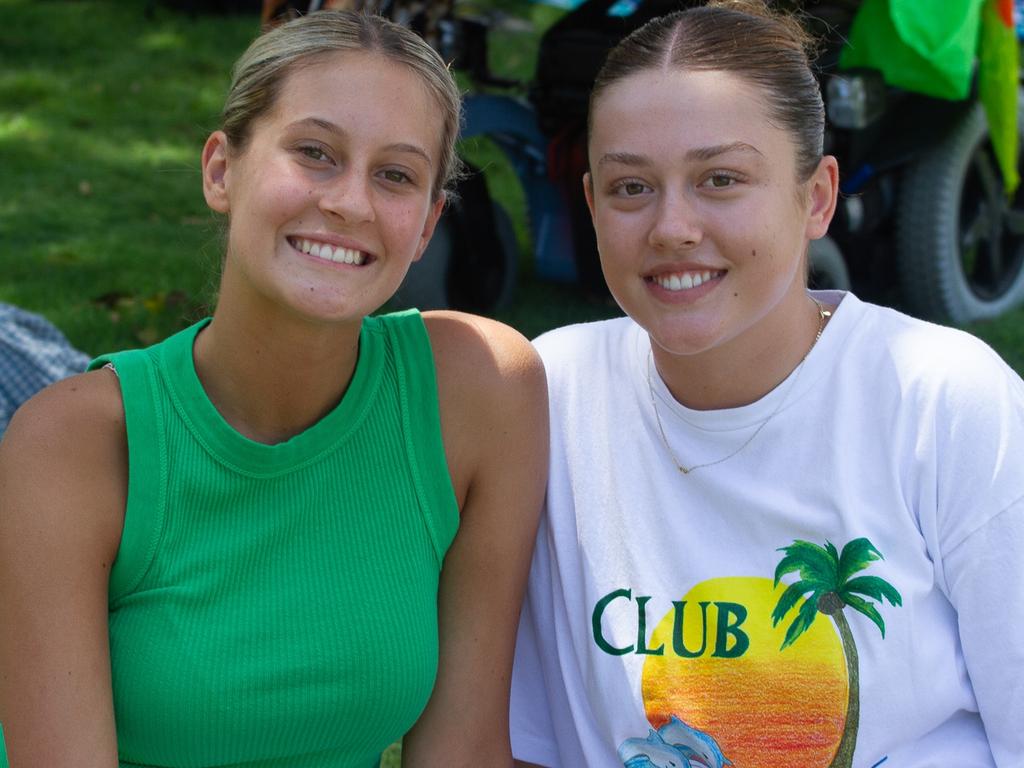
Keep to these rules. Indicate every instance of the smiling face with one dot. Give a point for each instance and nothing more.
(701, 222)
(330, 200)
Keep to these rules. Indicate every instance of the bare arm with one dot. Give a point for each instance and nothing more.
(494, 417)
(63, 477)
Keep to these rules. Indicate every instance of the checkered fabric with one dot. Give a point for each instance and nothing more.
(33, 354)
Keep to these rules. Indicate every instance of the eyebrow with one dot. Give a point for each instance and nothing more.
(330, 127)
(706, 153)
(698, 153)
(624, 158)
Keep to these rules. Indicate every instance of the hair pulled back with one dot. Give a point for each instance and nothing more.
(259, 73)
(743, 37)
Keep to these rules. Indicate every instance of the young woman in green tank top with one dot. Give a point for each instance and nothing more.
(294, 532)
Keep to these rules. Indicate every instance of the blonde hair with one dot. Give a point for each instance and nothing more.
(259, 73)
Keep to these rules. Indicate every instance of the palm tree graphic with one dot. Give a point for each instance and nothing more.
(827, 587)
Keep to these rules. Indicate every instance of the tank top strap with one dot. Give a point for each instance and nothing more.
(418, 398)
(147, 467)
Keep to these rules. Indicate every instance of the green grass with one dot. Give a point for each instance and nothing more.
(102, 114)
(392, 757)
(1006, 336)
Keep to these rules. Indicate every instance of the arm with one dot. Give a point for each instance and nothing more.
(63, 475)
(494, 420)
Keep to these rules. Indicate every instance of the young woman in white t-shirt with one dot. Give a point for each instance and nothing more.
(782, 526)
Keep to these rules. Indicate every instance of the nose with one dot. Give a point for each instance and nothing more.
(347, 196)
(677, 224)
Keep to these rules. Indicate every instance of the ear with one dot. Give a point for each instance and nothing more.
(822, 191)
(588, 192)
(215, 172)
(433, 215)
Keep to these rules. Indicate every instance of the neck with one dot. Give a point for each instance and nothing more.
(272, 377)
(747, 367)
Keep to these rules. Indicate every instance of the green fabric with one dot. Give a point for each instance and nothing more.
(998, 67)
(925, 46)
(276, 606)
(3, 748)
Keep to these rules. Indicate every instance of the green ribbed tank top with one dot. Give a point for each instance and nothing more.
(276, 605)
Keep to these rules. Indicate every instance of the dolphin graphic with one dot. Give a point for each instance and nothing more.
(651, 752)
(696, 745)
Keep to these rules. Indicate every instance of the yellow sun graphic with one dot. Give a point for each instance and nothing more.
(722, 671)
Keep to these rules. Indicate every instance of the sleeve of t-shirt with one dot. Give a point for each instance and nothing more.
(533, 739)
(980, 526)
(978, 428)
(985, 574)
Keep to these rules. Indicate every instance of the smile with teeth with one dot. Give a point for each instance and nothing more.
(681, 281)
(329, 253)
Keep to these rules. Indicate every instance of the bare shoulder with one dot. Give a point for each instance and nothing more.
(492, 395)
(481, 352)
(64, 457)
(57, 419)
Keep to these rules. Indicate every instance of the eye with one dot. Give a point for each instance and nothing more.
(313, 152)
(720, 180)
(396, 176)
(629, 188)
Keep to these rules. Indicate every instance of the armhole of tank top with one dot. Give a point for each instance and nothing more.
(147, 469)
(421, 425)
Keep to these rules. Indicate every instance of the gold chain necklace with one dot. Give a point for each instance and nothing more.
(823, 315)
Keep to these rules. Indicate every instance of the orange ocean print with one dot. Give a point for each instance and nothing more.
(766, 707)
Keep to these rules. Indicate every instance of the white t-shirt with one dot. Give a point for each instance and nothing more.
(647, 636)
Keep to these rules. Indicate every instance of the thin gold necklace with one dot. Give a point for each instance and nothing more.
(823, 315)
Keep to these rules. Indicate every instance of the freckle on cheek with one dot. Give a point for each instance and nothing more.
(753, 252)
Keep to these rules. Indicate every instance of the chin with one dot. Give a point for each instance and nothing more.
(328, 312)
(319, 304)
(681, 346)
(681, 337)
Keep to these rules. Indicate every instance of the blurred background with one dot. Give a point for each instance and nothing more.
(105, 105)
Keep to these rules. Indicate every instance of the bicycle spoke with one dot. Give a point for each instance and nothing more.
(991, 183)
(978, 230)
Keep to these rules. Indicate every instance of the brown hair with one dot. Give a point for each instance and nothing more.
(260, 72)
(745, 38)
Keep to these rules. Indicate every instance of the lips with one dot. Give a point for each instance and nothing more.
(336, 253)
